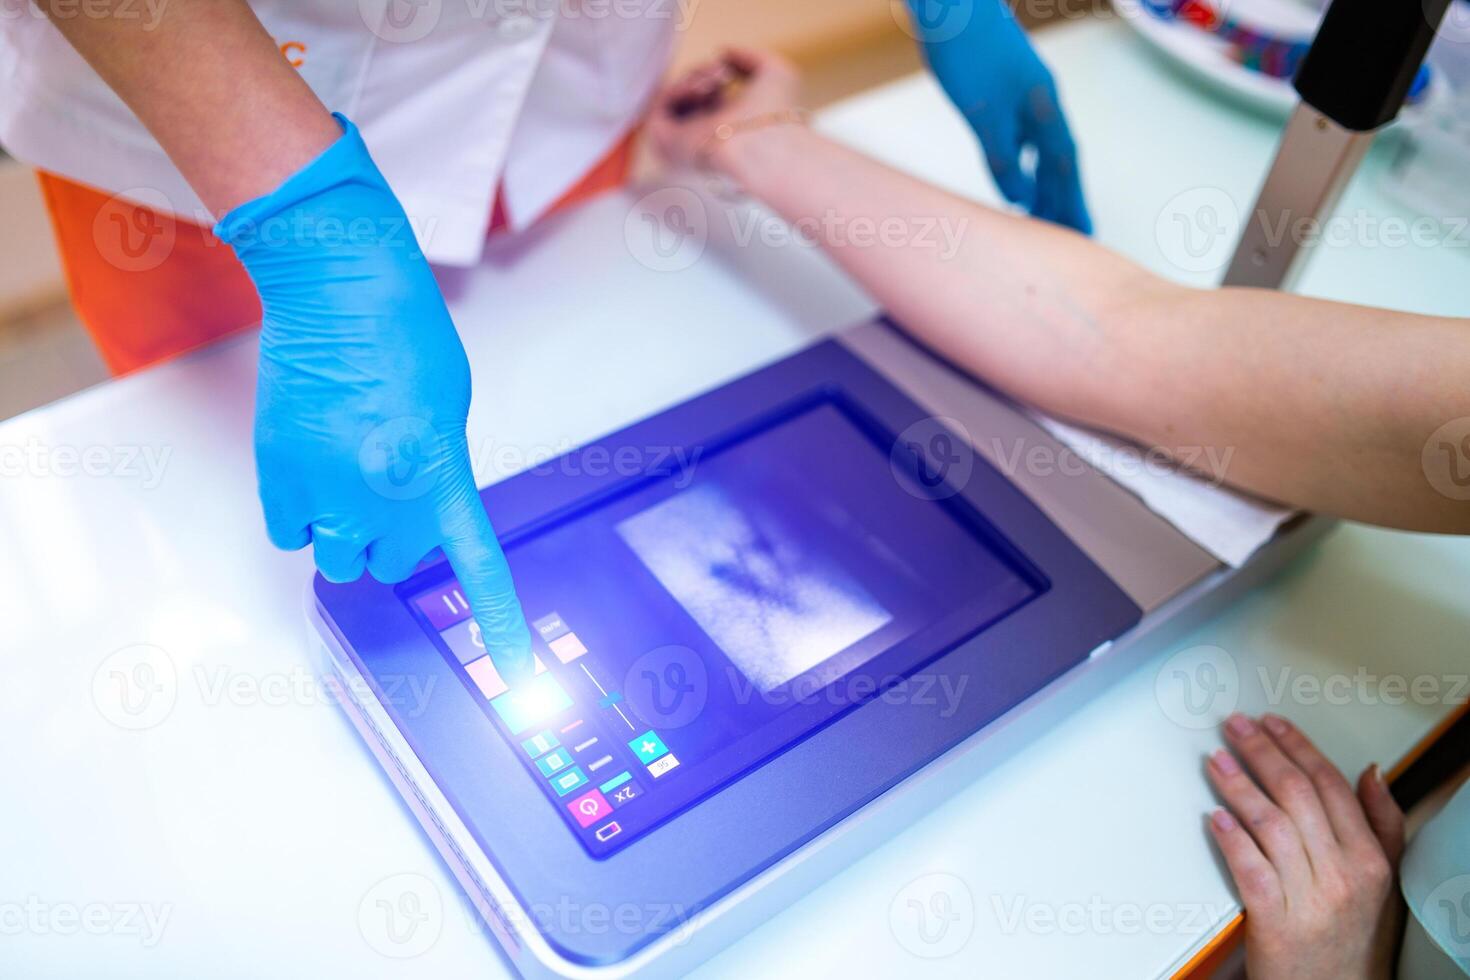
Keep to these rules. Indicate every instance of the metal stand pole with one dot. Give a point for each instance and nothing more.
(1352, 83)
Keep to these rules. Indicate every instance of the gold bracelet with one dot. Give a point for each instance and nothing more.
(725, 132)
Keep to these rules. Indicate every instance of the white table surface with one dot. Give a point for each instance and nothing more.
(246, 821)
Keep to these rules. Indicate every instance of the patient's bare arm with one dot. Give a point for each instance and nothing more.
(1320, 405)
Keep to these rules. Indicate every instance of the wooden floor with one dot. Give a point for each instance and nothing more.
(844, 46)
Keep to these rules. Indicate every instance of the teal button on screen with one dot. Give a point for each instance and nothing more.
(572, 779)
(531, 703)
(551, 763)
(616, 781)
(537, 744)
(648, 747)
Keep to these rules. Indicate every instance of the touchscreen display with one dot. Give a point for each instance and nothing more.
(697, 624)
(775, 607)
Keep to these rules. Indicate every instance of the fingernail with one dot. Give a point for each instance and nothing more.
(1376, 774)
(1225, 762)
(516, 666)
(1223, 820)
(1275, 724)
(1240, 726)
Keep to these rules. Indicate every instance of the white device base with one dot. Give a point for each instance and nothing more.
(710, 930)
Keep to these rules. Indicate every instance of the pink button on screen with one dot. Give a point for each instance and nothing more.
(486, 677)
(590, 808)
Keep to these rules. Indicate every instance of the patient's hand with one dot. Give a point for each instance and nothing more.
(1314, 863)
(741, 87)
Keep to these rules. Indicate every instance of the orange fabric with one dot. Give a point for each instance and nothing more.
(148, 286)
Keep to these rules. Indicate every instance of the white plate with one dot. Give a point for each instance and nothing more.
(1208, 58)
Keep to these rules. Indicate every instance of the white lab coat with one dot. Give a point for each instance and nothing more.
(455, 98)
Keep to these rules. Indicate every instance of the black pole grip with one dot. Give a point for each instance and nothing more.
(1364, 59)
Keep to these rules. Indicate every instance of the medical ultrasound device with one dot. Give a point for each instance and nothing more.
(826, 598)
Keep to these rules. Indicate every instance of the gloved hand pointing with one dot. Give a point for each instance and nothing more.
(363, 392)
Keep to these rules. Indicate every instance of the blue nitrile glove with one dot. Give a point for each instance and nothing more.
(364, 388)
(983, 59)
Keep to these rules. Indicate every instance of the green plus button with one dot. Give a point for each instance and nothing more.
(648, 747)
